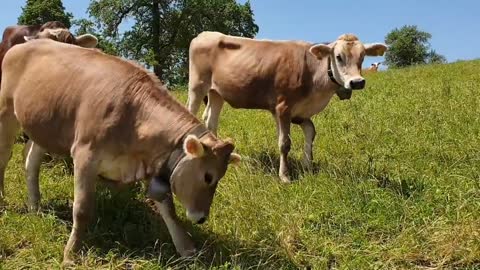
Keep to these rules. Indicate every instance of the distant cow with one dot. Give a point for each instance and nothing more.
(116, 121)
(293, 80)
(372, 69)
(18, 34)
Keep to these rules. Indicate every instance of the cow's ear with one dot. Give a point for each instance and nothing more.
(234, 159)
(193, 147)
(375, 49)
(320, 50)
(28, 38)
(86, 41)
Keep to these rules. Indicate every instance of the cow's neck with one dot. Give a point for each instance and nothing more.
(321, 78)
(160, 185)
(330, 74)
(179, 153)
(163, 124)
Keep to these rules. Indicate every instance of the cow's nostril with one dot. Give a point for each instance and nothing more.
(357, 84)
(201, 220)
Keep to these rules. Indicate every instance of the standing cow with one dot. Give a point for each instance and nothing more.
(18, 34)
(293, 80)
(372, 69)
(116, 121)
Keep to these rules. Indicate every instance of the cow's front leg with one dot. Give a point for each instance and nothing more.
(309, 132)
(182, 241)
(33, 160)
(85, 171)
(284, 142)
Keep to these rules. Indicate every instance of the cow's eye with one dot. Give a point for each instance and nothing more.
(208, 178)
(339, 59)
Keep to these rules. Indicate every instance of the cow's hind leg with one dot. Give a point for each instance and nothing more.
(8, 129)
(215, 104)
(85, 172)
(33, 160)
(309, 132)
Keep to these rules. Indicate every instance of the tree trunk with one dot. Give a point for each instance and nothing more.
(156, 39)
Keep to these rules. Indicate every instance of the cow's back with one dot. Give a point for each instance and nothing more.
(56, 88)
(250, 73)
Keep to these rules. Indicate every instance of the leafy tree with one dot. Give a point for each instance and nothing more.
(435, 58)
(162, 29)
(84, 26)
(410, 46)
(42, 11)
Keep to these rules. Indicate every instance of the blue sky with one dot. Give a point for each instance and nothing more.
(454, 25)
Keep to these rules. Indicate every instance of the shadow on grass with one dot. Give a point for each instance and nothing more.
(403, 187)
(130, 229)
(269, 163)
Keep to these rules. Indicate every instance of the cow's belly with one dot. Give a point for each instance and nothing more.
(122, 169)
(54, 137)
(311, 105)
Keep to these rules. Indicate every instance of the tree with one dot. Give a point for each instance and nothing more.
(410, 46)
(434, 58)
(162, 29)
(42, 11)
(85, 26)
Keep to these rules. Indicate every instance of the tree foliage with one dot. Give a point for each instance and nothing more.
(42, 11)
(84, 26)
(162, 29)
(435, 58)
(410, 46)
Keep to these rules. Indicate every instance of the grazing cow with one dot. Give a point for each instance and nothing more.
(293, 80)
(18, 34)
(116, 121)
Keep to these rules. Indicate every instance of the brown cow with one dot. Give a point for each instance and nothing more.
(18, 34)
(372, 69)
(116, 121)
(293, 80)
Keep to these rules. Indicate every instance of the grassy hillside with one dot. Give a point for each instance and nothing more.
(396, 186)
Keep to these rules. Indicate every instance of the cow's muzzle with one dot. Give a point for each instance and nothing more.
(357, 84)
(197, 217)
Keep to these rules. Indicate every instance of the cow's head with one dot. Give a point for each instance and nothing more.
(52, 25)
(64, 35)
(195, 178)
(346, 56)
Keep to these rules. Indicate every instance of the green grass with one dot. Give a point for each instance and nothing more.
(396, 186)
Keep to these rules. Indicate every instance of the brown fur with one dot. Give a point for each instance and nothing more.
(116, 120)
(348, 37)
(287, 78)
(52, 25)
(14, 35)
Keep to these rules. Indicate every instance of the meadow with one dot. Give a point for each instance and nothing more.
(395, 185)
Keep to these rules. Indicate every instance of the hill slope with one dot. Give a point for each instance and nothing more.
(396, 185)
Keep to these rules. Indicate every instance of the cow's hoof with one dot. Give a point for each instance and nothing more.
(34, 208)
(285, 179)
(188, 253)
(3, 203)
(68, 263)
